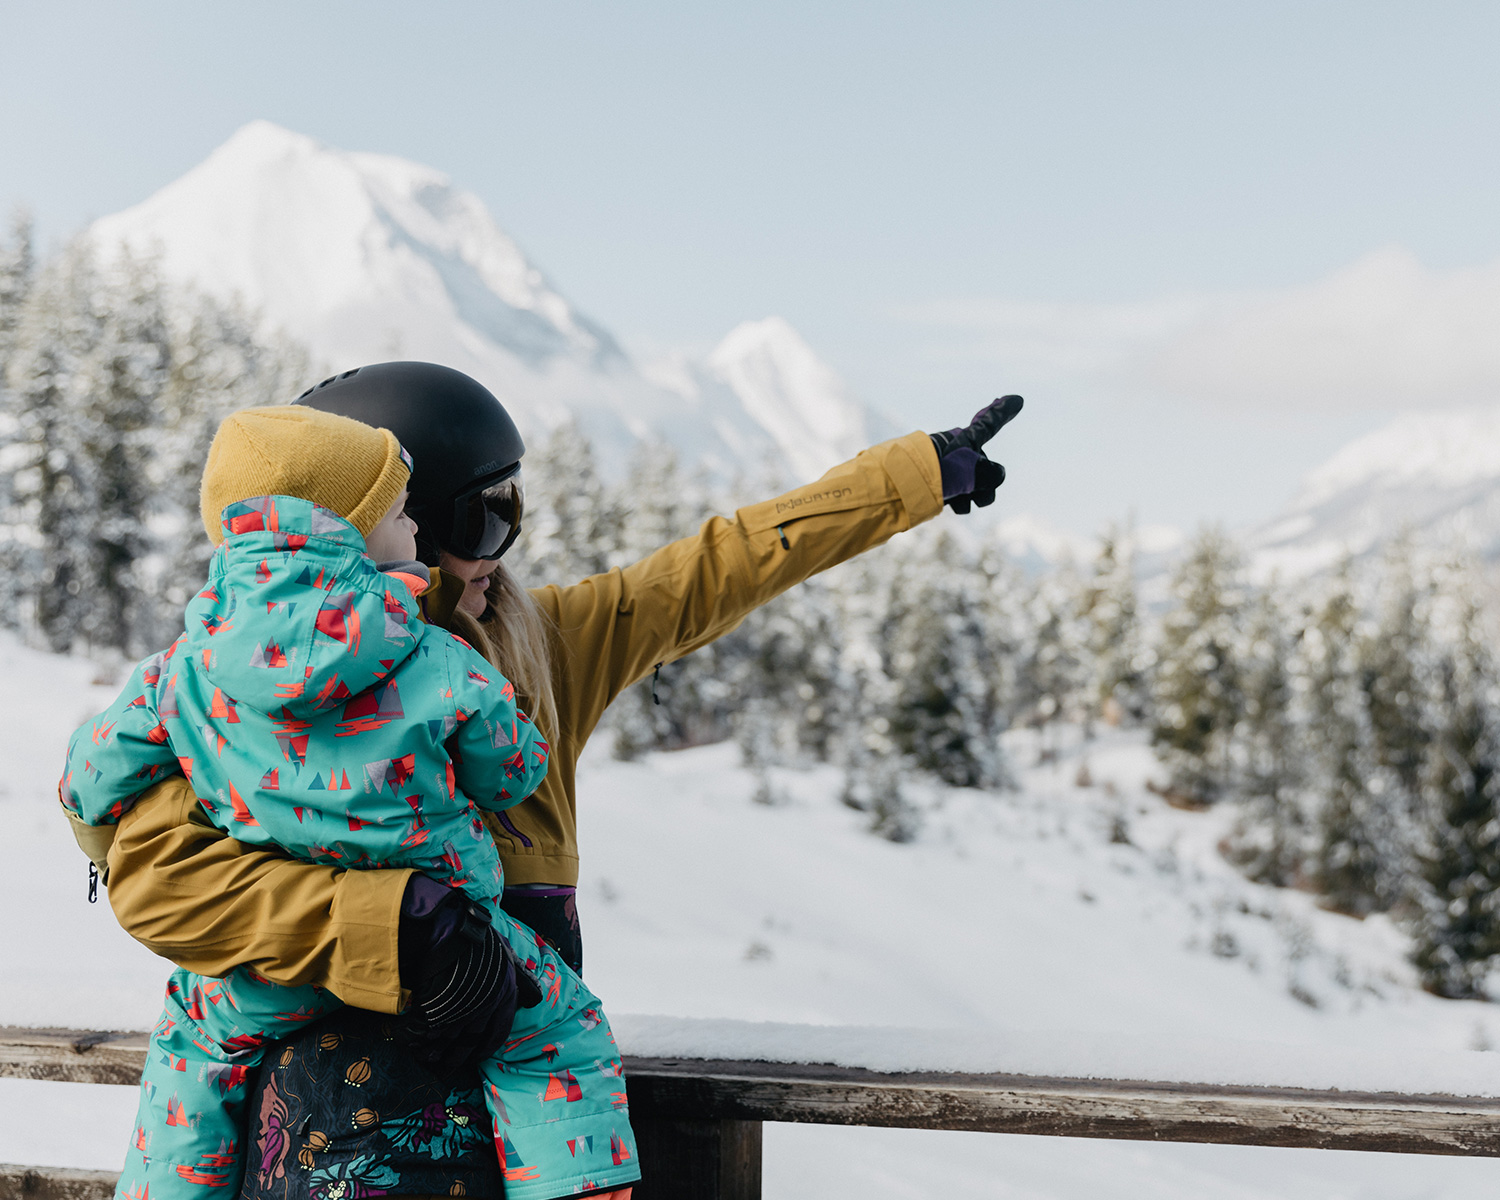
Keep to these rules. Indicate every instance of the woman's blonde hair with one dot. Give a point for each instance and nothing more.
(517, 636)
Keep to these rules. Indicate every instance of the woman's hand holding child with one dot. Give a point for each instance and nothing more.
(465, 981)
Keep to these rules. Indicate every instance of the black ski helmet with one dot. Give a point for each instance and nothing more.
(460, 437)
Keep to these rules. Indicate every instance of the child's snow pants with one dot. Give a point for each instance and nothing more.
(556, 1090)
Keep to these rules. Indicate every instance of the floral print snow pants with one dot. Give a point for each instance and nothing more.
(555, 1093)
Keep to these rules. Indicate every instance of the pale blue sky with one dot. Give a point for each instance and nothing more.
(865, 170)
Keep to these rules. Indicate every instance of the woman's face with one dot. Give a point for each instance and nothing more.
(475, 572)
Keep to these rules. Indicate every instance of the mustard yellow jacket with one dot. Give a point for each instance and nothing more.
(207, 902)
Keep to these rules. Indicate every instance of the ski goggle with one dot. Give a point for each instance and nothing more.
(487, 522)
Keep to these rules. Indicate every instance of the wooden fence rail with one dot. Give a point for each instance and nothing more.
(698, 1121)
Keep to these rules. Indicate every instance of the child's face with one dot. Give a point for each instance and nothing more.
(395, 538)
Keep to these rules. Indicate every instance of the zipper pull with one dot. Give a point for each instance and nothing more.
(781, 533)
(655, 676)
(93, 884)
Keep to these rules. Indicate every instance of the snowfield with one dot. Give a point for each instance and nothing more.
(1075, 925)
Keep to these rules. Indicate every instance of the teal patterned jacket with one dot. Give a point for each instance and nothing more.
(313, 709)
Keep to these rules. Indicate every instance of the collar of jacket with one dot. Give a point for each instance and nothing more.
(290, 519)
(440, 600)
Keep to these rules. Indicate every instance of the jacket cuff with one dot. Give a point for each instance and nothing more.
(95, 841)
(367, 912)
(555, 866)
(912, 465)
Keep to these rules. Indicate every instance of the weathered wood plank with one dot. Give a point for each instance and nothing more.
(72, 1055)
(710, 1091)
(1066, 1107)
(54, 1183)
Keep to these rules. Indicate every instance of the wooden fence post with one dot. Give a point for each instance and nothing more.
(697, 1159)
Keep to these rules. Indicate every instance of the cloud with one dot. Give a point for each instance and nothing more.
(1052, 339)
(1384, 333)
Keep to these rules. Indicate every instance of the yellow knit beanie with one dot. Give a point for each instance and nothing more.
(345, 465)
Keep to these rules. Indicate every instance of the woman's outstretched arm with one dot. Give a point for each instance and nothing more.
(619, 625)
(208, 902)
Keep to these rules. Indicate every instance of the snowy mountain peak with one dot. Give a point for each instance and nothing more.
(340, 248)
(1433, 474)
(792, 393)
(1440, 449)
(366, 257)
(265, 141)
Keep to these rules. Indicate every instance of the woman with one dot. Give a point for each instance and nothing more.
(208, 903)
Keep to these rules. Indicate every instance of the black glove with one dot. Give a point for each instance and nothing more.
(465, 980)
(968, 474)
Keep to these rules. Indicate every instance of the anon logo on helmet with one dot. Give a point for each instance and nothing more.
(493, 465)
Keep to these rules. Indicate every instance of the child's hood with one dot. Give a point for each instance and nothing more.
(295, 615)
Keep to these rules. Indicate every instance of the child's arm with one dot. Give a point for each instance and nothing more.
(120, 753)
(499, 758)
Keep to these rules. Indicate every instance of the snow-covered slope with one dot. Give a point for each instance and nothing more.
(1436, 475)
(366, 257)
(1080, 903)
(1079, 911)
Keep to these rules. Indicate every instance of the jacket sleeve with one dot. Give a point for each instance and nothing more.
(498, 756)
(207, 902)
(120, 753)
(617, 626)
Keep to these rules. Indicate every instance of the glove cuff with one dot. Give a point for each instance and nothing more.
(432, 917)
(947, 442)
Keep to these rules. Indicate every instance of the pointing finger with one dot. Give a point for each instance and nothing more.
(989, 420)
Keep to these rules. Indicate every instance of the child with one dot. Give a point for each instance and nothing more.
(313, 710)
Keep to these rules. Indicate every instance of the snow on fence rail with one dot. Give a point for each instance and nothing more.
(699, 1119)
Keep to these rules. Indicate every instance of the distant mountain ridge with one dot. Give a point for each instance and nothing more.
(367, 257)
(1434, 475)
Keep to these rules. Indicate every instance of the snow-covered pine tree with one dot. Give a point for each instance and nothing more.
(874, 784)
(947, 710)
(1000, 600)
(114, 408)
(1456, 926)
(17, 273)
(1268, 842)
(876, 773)
(1197, 691)
(17, 268)
(1052, 674)
(48, 520)
(789, 687)
(1115, 691)
(1397, 675)
(573, 522)
(1395, 670)
(114, 386)
(90, 357)
(1351, 827)
(655, 504)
